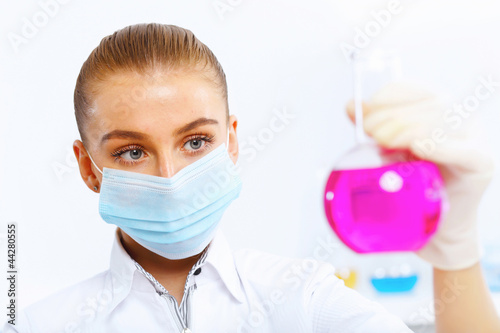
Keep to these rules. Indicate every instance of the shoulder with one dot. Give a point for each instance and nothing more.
(290, 274)
(58, 312)
(254, 263)
(310, 286)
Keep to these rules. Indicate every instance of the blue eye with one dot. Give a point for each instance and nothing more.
(194, 144)
(131, 155)
(197, 143)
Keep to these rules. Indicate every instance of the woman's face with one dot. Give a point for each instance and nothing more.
(154, 125)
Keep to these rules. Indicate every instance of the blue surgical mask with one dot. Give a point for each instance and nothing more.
(173, 217)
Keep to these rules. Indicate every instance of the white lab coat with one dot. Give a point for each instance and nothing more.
(248, 291)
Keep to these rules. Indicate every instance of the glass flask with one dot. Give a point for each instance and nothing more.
(380, 200)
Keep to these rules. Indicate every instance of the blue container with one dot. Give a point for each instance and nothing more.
(394, 284)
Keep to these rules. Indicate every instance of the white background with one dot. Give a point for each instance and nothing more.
(277, 55)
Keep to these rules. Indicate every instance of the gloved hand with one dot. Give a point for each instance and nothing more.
(405, 117)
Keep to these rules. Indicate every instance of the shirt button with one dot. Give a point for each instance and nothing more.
(198, 271)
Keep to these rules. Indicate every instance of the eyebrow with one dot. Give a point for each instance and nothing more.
(198, 122)
(139, 136)
(123, 135)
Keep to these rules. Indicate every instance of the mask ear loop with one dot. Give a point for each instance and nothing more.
(227, 140)
(94, 164)
(91, 160)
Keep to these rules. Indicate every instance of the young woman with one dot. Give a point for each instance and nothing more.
(159, 145)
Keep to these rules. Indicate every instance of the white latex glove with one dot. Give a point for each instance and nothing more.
(405, 117)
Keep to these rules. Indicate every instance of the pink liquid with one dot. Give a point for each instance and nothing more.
(391, 208)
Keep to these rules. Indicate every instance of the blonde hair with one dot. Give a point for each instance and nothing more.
(143, 49)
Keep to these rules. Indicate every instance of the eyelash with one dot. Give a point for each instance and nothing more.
(197, 136)
(116, 154)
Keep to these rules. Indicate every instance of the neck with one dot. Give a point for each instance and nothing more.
(158, 266)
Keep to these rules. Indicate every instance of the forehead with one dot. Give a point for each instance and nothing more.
(148, 102)
(135, 89)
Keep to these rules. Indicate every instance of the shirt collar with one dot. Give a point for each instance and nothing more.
(219, 262)
(120, 263)
(122, 270)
